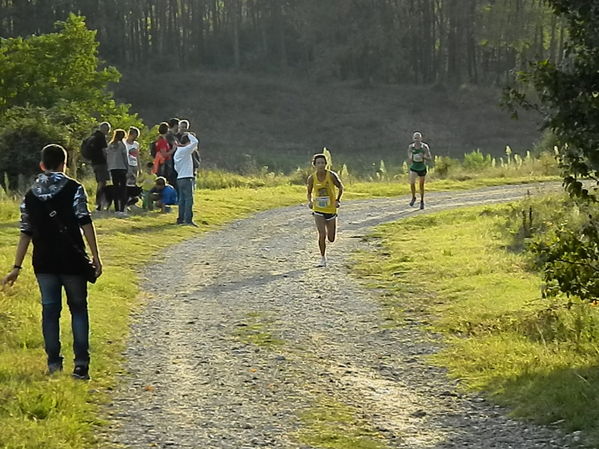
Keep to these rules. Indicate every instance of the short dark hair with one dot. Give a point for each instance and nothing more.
(318, 156)
(173, 122)
(53, 155)
(119, 134)
(134, 129)
(150, 165)
(163, 128)
(185, 139)
(161, 181)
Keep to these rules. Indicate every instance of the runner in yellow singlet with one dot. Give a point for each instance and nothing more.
(327, 189)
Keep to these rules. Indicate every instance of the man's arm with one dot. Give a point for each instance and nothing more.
(89, 231)
(173, 142)
(427, 153)
(188, 149)
(409, 154)
(85, 222)
(309, 187)
(339, 186)
(22, 246)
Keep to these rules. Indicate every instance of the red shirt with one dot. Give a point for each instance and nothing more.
(162, 146)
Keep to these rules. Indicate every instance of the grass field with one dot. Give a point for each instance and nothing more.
(36, 412)
(537, 356)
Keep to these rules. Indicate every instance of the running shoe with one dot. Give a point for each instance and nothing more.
(323, 262)
(421, 205)
(413, 201)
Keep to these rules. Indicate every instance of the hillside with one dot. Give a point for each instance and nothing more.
(245, 120)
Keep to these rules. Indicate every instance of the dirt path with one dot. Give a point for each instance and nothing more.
(241, 332)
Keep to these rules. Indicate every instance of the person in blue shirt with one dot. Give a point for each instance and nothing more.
(164, 195)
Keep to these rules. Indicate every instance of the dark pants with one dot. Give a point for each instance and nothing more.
(76, 289)
(171, 174)
(119, 181)
(185, 200)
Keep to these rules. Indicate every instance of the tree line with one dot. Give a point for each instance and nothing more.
(390, 41)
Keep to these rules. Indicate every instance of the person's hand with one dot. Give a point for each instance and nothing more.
(310, 204)
(11, 277)
(337, 203)
(98, 266)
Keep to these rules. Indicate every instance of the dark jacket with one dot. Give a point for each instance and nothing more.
(97, 148)
(53, 252)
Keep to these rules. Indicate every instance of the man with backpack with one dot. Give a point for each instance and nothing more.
(94, 149)
(55, 217)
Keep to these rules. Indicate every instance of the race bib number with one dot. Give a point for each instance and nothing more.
(418, 157)
(322, 201)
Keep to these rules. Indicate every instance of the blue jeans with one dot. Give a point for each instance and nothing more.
(185, 187)
(76, 289)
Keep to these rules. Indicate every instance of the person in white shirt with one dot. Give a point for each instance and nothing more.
(132, 146)
(185, 177)
(197, 160)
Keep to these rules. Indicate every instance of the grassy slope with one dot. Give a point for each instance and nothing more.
(530, 354)
(35, 412)
(283, 121)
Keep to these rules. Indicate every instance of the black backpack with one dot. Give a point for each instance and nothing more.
(86, 147)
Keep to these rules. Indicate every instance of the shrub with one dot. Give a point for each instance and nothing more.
(562, 239)
(475, 160)
(444, 164)
(21, 140)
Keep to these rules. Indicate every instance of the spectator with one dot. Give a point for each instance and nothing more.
(197, 160)
(164, 195)
(53, 214)
(147, 179)
(132, 146)
(163, 151)
(97, 153)
(185, 179)
(118, 165)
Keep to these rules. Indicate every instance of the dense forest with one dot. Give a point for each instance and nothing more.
(389, 41)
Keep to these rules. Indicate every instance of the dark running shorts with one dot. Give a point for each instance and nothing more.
(101, 172)
(420, 173)
(326, 216)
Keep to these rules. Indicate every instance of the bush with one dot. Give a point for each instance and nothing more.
(475, 160)
(562, 239)
(21, 139)
(444, 164)
(54, 89)
(546, 143)
(569, 258)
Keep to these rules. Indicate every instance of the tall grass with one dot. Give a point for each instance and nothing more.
(474, 165)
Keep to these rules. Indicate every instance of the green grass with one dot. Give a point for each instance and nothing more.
(357, 190)
(59, 413)
(453, 269)
(329, 424)
(256, 330)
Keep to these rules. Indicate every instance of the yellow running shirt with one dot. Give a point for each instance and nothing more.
(324, 194)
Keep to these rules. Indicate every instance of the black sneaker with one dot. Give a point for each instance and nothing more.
(421, 205)
(54, 368)
(81, 372)
(413, 201)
